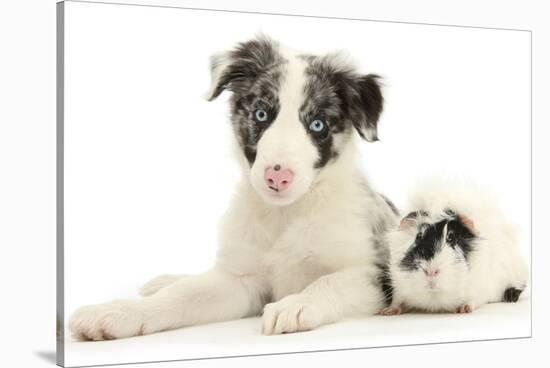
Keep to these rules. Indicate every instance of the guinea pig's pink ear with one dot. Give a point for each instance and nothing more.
(408, 221)
(467, 223)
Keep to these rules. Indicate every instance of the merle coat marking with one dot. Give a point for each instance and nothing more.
(303, 256)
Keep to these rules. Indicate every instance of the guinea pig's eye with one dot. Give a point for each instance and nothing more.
(317, 126)
(450, 238)
(260, 115)
(419, 237)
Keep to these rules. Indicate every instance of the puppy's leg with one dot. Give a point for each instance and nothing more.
(154, 285)
(210, 297)
(330, 298)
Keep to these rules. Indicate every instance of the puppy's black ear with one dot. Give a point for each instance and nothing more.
(219, 64)
(368, 106)
(237, 69)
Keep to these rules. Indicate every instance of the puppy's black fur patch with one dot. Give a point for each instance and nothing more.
(371, 103)
(385, 283)
(247, 62)
(253, 74)
(334, 94)
(342, 98)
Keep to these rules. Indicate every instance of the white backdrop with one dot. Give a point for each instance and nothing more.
(27, 194)
(148, 166)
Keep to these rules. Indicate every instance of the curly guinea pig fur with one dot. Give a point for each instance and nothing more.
(453, 252)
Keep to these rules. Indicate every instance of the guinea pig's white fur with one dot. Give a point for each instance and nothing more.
(495, 262)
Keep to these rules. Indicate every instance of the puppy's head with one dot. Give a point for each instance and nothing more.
(293, 113)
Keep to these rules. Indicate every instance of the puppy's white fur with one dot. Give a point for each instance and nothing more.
(313, 258)
(286, 143)
(310, 253)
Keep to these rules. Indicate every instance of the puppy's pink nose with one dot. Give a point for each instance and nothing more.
(277, 178)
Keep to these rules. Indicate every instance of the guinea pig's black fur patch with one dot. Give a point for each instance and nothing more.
(429, 241)
(511, 295)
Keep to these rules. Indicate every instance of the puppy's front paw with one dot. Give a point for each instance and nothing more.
(293, 313)
(114, 320)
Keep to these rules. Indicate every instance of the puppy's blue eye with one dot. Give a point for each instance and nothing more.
(317, 126)
(260, 115)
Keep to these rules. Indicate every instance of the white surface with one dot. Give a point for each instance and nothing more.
(143, 149)
(27, 159)
(242, 337)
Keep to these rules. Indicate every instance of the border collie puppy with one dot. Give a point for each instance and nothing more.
(301, 240)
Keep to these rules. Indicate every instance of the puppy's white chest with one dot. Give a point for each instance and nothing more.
(304, 252)
(299, 255)
(291, 267)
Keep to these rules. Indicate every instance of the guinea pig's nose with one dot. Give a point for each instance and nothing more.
(431, 272)
(278, 178)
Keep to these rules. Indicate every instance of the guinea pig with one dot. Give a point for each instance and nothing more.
(453, 253)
